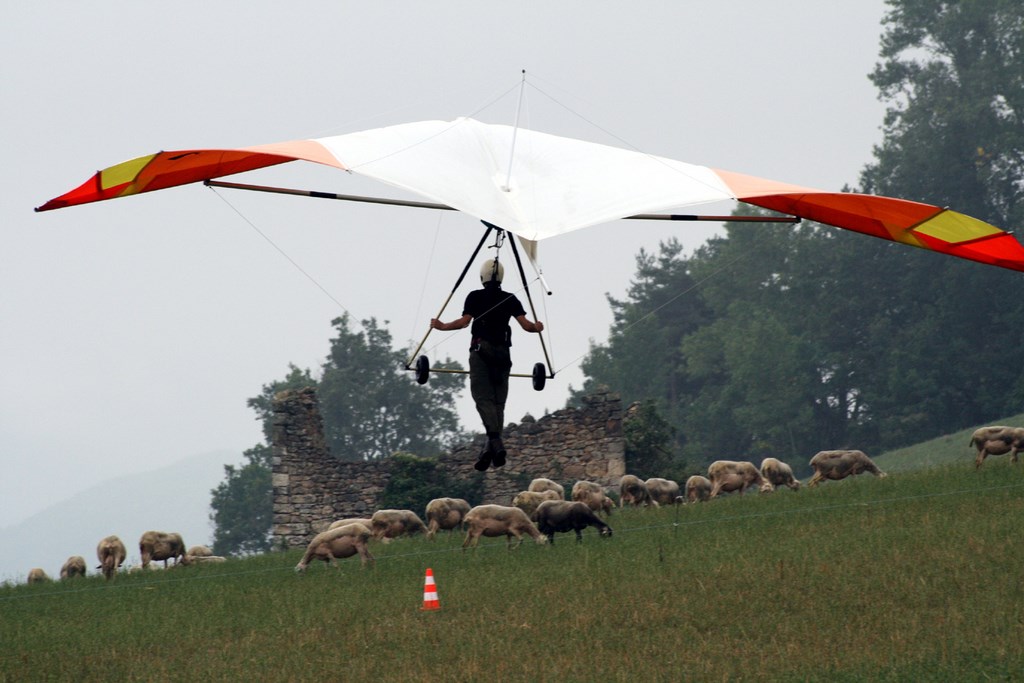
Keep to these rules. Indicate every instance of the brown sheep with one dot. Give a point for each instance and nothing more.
(389, 524)
(633, 491)
(778, 473)
(344, 541)
(159, 545)
(499, 520)
(542, 484)
(527, 501)
(593, 495)
(997, 440)
(555, 516)
(37, 575)
(445, 514)
(698, 489)
(838, 465)
(663, 491)
(732, 475)
(75, 566)
(111, 554)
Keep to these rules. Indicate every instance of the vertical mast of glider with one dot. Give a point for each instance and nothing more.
(515, 129)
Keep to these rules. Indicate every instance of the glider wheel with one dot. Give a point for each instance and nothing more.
(422, 369)
(540, 376)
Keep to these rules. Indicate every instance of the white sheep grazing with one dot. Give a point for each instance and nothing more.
(75, 566)
(499, 520)
(698, 489)
(201, 554)
(663, 491)
(344, 541)
(543, 484)
(37, 575)
(593, 494)
(388, 524)
(350, 520)
(527, 501)
(445, 514)
(159, 545)
(111, 553)
(778, 473)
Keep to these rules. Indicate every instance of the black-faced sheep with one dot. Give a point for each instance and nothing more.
(445, 514)
(344, 541)
(633, 491)
(837, 465)
(562, 516)
(160, 545)
(111, 554)
(74, 566)
(499, 520)
(778, 473)
(388, 524)
(731, 475)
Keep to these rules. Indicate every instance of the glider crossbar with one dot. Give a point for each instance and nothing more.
(432, 205)
(722, 219)
(327, 195)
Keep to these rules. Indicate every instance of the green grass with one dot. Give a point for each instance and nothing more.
(944, 450)
(911, 577)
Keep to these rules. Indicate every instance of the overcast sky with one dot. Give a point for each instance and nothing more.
(134, 330)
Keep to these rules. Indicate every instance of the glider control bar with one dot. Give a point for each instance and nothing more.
(445, 207)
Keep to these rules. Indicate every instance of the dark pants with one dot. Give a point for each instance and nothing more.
(489, 367)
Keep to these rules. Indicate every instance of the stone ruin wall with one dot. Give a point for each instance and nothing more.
(312, 488)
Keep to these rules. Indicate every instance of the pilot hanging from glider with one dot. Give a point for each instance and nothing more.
(490, 309)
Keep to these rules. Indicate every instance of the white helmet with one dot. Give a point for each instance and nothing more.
(491, 269)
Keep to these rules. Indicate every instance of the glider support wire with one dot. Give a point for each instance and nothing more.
(444, 207)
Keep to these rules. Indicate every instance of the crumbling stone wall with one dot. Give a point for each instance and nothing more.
(312, 488)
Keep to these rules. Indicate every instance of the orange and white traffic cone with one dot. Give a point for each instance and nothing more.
(430, 601)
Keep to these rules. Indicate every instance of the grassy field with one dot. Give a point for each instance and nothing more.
(913, 577)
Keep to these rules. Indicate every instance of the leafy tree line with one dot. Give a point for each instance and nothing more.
(781, 341)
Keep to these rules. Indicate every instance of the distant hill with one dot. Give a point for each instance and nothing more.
(944, 450)
(173, 498)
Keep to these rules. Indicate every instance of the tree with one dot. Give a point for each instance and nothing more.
(953, 77)
(243, 506)
(416, 481)
(642, 360)
(370, 406)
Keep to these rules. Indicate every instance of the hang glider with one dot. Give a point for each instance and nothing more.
(537, 185)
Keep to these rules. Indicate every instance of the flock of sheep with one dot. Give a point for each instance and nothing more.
(539, 512)
(542, 511)
(153, 545)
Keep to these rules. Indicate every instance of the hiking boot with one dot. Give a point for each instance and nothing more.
(497, 450)
(484, 461)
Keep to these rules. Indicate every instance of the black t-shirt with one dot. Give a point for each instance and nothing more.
(492, 309)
